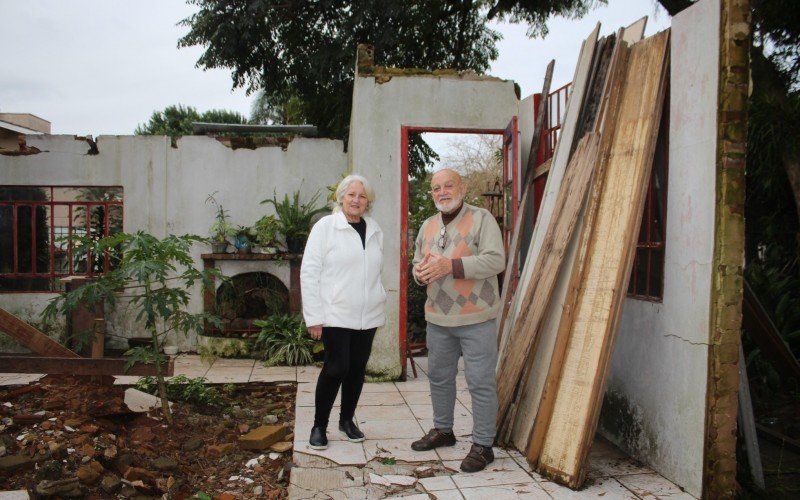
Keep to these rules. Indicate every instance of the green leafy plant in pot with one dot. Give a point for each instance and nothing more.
(266, 233)
(244, 239)
(221, 229)
(296, 218)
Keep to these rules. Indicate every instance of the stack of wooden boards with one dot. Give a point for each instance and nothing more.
(556, 342)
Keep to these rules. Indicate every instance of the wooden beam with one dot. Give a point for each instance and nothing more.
(510, 278)
(31, 338)
(545, 271)
(556, 175)
(747, 424)
(611, 238)
(79, 366)
(535, 374)
(762, 331)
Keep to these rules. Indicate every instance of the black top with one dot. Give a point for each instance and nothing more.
(361, 228)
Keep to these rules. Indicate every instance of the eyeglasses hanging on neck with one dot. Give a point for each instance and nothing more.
(442, 241)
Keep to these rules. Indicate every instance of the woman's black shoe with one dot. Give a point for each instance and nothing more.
(318, 439)
(350, 430)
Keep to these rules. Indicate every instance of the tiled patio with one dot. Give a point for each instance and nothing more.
(392, 415)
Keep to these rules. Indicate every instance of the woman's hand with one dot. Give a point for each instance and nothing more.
(315, 332)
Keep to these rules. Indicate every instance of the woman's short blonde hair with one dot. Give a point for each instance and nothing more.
(341, 189)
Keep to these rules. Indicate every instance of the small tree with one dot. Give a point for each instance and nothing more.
(155, 276)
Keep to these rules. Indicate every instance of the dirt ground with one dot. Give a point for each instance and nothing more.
(70, 436)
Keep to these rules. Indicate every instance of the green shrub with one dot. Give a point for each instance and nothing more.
(184, 389)
(284, 341)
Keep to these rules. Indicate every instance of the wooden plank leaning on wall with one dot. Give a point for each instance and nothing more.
(567, 418)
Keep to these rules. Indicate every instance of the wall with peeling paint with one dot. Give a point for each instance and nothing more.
(380, 109)
(656, 394)
(165, 188)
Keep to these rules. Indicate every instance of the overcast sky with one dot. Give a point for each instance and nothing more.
(102, 67)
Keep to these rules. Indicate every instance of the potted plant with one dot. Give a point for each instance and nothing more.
(266, 230)
(221, 229)
(296, 218)
(243, 239)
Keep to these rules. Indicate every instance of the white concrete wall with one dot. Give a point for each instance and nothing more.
(656, 392)
(379, 112)
(165, 188)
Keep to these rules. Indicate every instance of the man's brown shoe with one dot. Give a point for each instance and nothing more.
(478, 458)
(434, 439)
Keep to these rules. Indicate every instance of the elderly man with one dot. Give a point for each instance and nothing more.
(458, 255)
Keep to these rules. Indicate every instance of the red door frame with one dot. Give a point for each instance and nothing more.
(405, 130)
(511, 175)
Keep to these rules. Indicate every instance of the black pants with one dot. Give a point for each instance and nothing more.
(346, 355)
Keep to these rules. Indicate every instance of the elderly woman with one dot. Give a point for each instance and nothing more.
(343, 302)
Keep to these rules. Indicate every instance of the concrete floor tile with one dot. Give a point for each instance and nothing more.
(16, 494)
(606, 488)
(613, 466)
(501, 472)
(303, 414)
(414, 385)
(233, 363)
(305, 398)
(306, 386)
(522, 461)
(422, 411)
(649, 486)
(191, 372)
(381, 399)
(383, 413)
(399, 449)
(315, 479)
(126, 379)
(449, 495)
(523, 490)
(417, 397)
(20, 378)
(379, 387)
(437, 483)
(273, 373)
(193, 361)
(308, 373)
(376, 429)
(228, 376)
(340, 452)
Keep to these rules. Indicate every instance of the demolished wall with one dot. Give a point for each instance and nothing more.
(164, 189)
(382, 105)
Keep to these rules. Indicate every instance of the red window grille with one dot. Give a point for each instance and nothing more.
(647, 276)
(556, 105)
(36, 224)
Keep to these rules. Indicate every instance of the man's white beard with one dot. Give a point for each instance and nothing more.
(448, 206)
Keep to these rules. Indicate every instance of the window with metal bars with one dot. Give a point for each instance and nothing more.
(36, 224)
(647, 277)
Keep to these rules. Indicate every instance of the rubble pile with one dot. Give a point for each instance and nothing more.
(75, 437)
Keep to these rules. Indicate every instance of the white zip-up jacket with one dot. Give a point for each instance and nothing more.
(340, 280)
